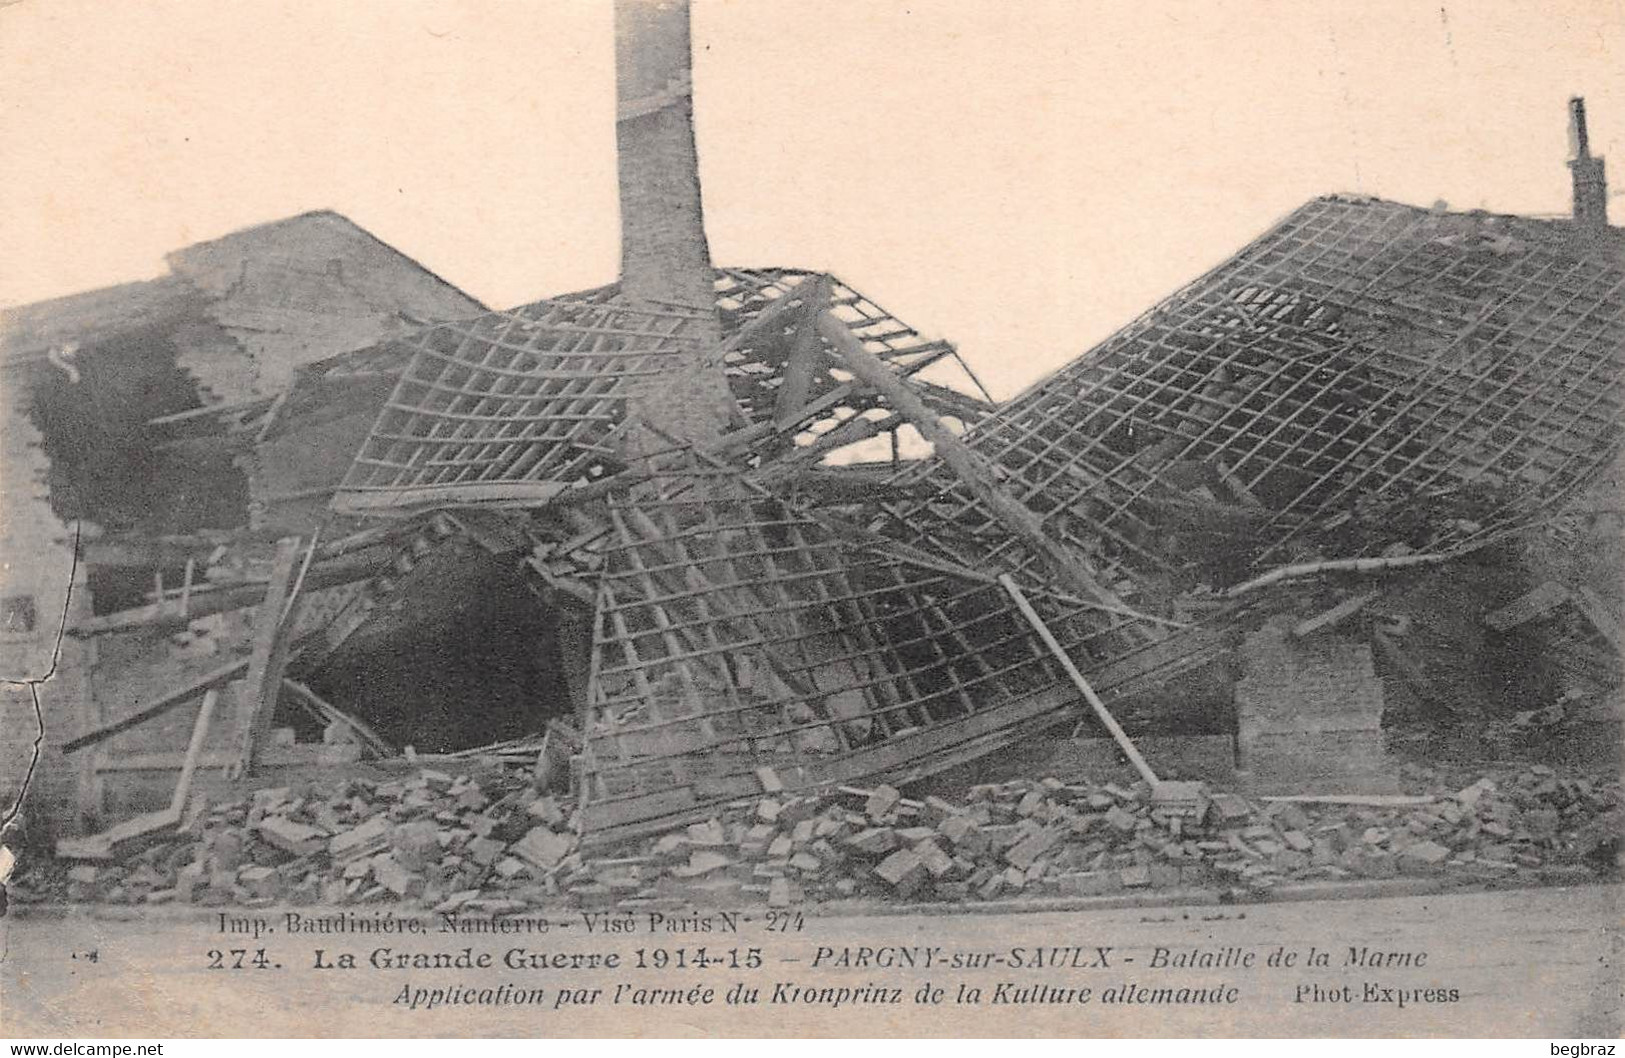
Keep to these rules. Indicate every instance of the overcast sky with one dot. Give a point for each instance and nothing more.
(1021, 178)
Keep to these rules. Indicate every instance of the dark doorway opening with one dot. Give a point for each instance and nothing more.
(463, 654)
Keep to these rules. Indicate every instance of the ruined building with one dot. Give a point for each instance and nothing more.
(1283, 510)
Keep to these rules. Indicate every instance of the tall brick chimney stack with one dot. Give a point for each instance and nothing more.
(1590, 181)
(664, 255)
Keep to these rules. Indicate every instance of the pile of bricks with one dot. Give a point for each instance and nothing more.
(491, 842)
(432, 837)
(1051, 838)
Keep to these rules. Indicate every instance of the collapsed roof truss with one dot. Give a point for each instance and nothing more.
(511, 406)
(1364, 374)
(737, 632)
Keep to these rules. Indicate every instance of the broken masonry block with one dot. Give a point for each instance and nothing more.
(547, 810)
(260, 883)
(876, 841)
(708, 833)
(1134, 877)
(1163, 875)
(701, 862)
(957, 828)
(1122, 820)
(936, 861)
(1297, 840)
(226, 850)
(903, 870)
(486, 851)
(543, 848)
(1023, 854)
(363, 840)
(1229, 807)
(389, 873)
(881, 801)
(1424, 854)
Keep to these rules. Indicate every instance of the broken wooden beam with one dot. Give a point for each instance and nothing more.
(149, 827)
(203, 602)
(806, 356)
(194, 750)
(1339, 565)
(1103, 714)
(270, 653)
(179, 696)
(1335, 616)
(971, 469)
(332, 714)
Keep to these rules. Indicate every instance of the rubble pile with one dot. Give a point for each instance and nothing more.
(490, 841)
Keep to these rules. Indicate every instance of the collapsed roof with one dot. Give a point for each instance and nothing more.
(1365, 378)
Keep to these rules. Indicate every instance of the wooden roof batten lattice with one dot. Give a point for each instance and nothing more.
(737, 631)
(513, 406)
(1366, 375)
(518, 407)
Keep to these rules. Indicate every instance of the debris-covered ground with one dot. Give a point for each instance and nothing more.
(488, 841)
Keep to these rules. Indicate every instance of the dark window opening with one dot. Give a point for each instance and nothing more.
(106, 465)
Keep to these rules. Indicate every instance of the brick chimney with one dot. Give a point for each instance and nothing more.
(1590, 181)
(664, 255)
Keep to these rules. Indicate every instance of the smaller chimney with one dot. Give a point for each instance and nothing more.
(1590, 182)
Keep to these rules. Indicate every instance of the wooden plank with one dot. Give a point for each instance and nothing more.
(1528, 607)
(1359, 800)
(177, 697)
(1596, 611)
(1334, 616)
(301, 755)
(264, 679)
(194, 749)
(352, 499)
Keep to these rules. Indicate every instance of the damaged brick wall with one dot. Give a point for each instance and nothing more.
(36, 568)
(1309, 714)
(300, 290)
